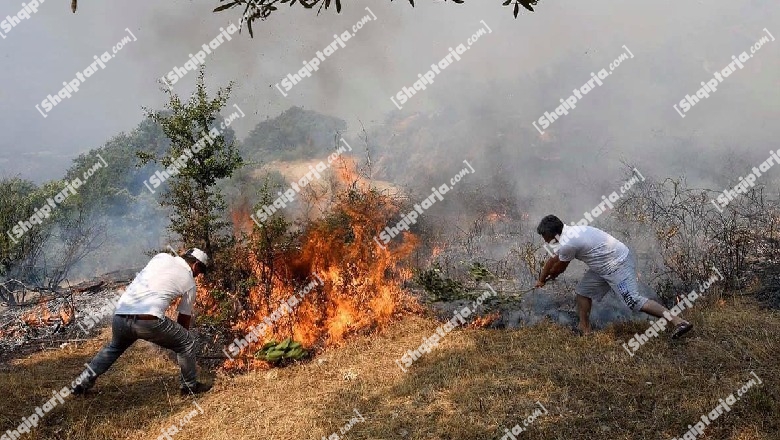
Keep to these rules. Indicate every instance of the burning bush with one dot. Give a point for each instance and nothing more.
(360, 282)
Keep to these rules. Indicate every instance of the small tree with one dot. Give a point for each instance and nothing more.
(21, 255)
(202, 156)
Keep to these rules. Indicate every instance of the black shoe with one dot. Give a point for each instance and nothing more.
(682, 329)
(197, 389)
(81, 389)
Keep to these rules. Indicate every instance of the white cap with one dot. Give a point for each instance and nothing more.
(199, 255)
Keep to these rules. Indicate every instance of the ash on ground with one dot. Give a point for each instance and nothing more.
(51, 320)
(512, 307)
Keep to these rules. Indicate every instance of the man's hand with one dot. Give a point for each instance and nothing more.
(541, 283)
(184, 320)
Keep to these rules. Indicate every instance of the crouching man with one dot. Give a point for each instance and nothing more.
(140, 314)
(609, 268)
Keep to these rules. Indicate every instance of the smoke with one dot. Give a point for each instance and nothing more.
(480, 108)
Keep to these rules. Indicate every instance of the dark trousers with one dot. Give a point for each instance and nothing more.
(163, 332)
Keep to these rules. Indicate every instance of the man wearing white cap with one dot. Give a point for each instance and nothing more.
(140, 314)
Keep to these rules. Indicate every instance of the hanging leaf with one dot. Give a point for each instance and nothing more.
(227, 6)
(262, 9)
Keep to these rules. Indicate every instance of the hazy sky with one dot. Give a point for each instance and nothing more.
(676, 46)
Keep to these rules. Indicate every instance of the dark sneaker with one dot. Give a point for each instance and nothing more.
(197, 389)
(81, 389)
(681, 329)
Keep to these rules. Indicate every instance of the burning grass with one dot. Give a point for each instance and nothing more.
(476, 383)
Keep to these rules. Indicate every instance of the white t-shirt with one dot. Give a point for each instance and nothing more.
(164, 279)
(602, 252)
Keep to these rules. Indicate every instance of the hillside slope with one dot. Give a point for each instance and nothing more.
(475, 384)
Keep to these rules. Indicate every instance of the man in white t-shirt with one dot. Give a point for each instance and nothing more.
(140, 314)
(610, 267)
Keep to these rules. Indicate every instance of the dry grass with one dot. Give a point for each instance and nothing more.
(476, 383)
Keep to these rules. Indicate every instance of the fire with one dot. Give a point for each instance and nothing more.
(38, 316)
(494, 217)
(67, 313)
(356, 283)
(484, 321)
(42, 316)
(242, 221)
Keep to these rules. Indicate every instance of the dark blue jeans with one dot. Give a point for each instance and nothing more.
(163, 332)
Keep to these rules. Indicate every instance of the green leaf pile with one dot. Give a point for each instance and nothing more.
(276, 352)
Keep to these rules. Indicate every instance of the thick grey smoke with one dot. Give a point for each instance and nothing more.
(480, 108)
(532, 62)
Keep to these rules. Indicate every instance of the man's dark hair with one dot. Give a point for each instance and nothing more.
(550, 225)
(191, 259)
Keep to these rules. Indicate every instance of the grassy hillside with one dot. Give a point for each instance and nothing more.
(475, 384)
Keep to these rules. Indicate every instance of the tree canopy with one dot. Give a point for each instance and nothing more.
(295, 134)
(262, 9)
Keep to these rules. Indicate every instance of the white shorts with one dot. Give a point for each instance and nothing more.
(622, 281)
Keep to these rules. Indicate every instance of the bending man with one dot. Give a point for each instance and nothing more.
(140, 314)
(609, 268)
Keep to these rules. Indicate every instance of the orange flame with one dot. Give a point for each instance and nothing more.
(494, 217)
(484, 321)
(67, 313)
(242, 222)
(360, 288)
(41, 316)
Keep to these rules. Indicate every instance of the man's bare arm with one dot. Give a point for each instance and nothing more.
(552, 268)
(559, 268)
